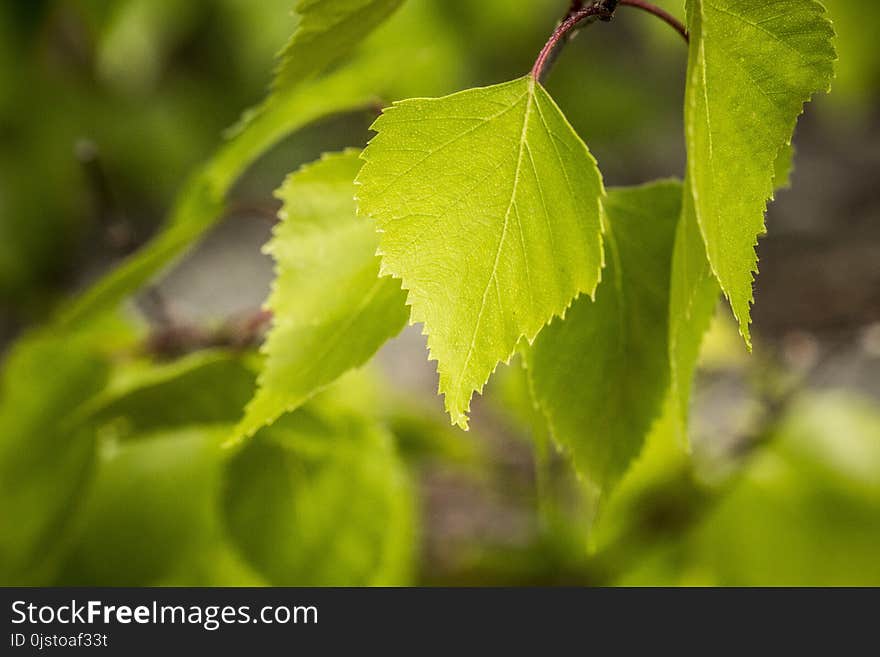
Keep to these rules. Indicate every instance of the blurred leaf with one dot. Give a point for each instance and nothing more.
(566, 501)
(331, 310)
(214, 564)
(200, 203)
(808, 510)
(473, 196)
(311, 502)
(273, 20)
(601, 373)
(422, 438)
(45, 458)
(805, 511)
(836, 434)
(509, 391)
(327, 31)
(693, 298)
(151, 515)
(137, 40)
(722, 349)
(421, 433)
(625, 514)
(151, 506)
(857, 77)
(783, 167)
(209, 387)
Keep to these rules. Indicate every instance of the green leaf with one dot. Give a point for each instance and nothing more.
(201, 201)
(204, 388)
(601, 373)
(693, 298)
(151, 506)
(807, 510)
(310, 502)
(783, 167)
(331, 310)
(752, 66)
(489, 207)
(856, 76)
(327, 30)
(45, 457)
(663, 462)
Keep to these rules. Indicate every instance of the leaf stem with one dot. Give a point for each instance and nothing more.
(579, 16)
(665, 16)
(576, 14)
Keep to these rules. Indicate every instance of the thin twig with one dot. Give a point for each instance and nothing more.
(576, 15)
(579, 16)
(118, 232)
(663, 15)
(238, 333)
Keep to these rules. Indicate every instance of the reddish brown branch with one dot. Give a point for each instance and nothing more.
(178, 339)
(579, 16)
(576, 15)
(665, 16)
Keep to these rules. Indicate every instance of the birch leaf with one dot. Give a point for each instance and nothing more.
(752, 66)
(489, 205)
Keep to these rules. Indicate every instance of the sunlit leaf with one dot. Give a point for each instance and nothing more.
(601, 373)
(489, 206)
(751, 68)
(331, 310)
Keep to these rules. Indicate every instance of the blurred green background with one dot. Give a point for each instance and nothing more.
(111, 470)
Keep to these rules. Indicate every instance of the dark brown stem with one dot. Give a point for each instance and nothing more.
(118, 232)
(173, 340)
(265, 211)
(665, 16)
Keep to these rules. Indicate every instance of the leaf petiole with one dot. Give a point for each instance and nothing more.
(579, 16)
(576, 15)
(663, 15)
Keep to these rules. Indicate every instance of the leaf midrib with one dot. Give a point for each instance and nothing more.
(530, 99)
